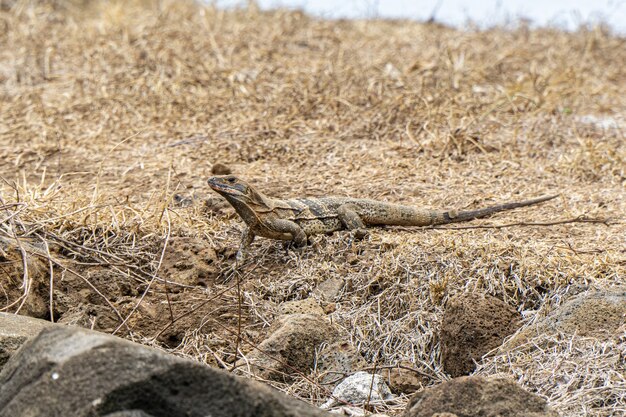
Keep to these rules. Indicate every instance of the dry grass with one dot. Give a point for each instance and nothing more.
(108, 110)
(578, 376)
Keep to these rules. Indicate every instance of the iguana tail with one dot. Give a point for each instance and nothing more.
(463, 216)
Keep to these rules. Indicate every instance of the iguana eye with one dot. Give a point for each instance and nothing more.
(231, 180)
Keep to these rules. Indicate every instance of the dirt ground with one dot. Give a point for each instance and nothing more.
(113, 116)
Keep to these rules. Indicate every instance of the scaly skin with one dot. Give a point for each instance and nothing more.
(297, 219)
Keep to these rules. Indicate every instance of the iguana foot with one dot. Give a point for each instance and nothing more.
(292, 244)
(360, 234)
(352, 221)
(357, 234)
(240, 258)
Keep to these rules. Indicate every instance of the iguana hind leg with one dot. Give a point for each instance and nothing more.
(352, 221)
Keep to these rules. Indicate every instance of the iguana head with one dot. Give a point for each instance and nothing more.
(237, 191)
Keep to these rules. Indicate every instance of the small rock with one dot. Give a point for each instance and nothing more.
(221, 169)
(402, 380)
(330, 289)
(360, 388)
(472, 396)
(473, 325)
(79, 373)
(306, 306)
(338, 360)
(290, 347)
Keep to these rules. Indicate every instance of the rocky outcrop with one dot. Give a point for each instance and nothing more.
(76, 372)
(477, 397)
(15, 330)
(473, 325)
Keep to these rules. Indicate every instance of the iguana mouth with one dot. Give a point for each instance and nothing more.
(217, 184)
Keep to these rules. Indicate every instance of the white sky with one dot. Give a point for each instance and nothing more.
(569, 14)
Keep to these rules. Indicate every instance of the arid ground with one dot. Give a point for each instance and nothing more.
(114, 114)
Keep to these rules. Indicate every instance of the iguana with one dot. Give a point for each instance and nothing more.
(297, 219)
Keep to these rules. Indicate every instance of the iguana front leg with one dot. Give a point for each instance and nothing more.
(290, 231)
(352, 221)
(293, 231)
(246, 240)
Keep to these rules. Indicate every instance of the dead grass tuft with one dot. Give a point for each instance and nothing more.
(577, 375)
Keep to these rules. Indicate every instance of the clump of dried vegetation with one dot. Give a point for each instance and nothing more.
(108, 110)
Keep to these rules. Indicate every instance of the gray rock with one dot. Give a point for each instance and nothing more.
(15, 330)
(306, 306)
(330, 289)
(360, 388)
(76, 372)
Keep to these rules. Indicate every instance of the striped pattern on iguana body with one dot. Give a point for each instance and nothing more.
(297, 219)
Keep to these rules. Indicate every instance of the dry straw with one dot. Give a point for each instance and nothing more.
(108, 110)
